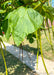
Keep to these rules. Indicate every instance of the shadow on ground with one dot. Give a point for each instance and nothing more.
(15, 67)
(31, 49)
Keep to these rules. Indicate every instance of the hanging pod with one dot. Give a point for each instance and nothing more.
(49, 34)
(42, 52)
(52, 29)
(37, 38)
(1, 49)
(44, 24)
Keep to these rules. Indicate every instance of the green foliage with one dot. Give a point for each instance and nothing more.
(31, 40)
(6, 3)
(31, 37)
(27, 1)
(2, 11)
(24, 21)
(46, 11)
(49, 12)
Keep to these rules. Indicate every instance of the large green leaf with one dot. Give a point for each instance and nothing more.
(22, 22)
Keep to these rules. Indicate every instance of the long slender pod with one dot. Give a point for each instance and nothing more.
(37, 47)
(44, 24)
(49, 29)
(52, 30)
(4, 46)
(42, 52)
(3, 58)
(51, 22)
(49, 34)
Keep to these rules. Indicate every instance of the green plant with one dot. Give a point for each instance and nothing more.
(27, 1)
(23, 20)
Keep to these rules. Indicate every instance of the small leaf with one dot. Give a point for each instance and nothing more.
(31, 40)
(2, 11)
